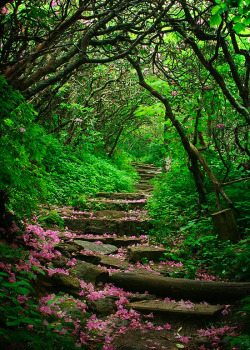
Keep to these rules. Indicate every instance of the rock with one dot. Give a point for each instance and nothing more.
(176, 308)
(94, 247)
(98, 226)
(118, 322)
(150, 253)
(118, 204)
(60, 262)
(67, 248)
(125, 241)
(65, 283)
(70, 307)
(104, 306)
(143, 187)
(89, 272)
(131, 346)
(93, 239)
(92, 259)
(129, 196)
(109, 261)
(111, 214)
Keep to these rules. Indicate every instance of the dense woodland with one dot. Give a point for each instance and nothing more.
(88, 88)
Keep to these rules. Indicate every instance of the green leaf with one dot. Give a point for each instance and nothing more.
(24, 291)
(13, 323)
(216, 9)
(180, 346)
(239, 27)
(237, 19)
(215, 20)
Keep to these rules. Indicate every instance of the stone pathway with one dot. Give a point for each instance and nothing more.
(110, 246)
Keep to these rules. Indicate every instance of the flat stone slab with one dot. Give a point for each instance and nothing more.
(176, 308)
(110, 261)
(125, 241)
(150, 253)
(115, 195)
(94, 247)
(118, 204)
(99, 226)
(89, 272)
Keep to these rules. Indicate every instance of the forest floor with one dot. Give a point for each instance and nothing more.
(102, 283)
(109, 251)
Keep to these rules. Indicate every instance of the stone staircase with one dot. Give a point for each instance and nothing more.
(110, 246)
(147, 172)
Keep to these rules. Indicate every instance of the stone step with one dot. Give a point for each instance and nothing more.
(145, 252)
(122, 195)
(145, 166)
(176, 308)
(94, 247)
(116, 241)
(116, 204)
(110, 214)
(109, 226)
(110, 261)
(144, 187)
(149, 173)
(144, 182)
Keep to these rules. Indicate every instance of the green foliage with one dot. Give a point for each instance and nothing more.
(238, 11)
(188, 232)
(35, 167)
(52, 218)
(243, 341)
(21, 324)
(122, 160)
(22, 148)
(174, 195)
(229, 261)
(74, 173)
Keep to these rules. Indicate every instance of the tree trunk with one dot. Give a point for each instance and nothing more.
(181, 288)
(225, 225)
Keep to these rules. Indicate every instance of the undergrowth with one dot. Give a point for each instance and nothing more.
(188, 232)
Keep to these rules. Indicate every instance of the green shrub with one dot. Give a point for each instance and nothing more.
(52, 218)
(22, 148)
(75, 174)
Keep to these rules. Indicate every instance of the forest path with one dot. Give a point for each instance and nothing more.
(109, 244)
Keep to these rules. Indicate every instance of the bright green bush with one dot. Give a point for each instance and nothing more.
(22, 148)
(35, 167)
(188, 231)
(73, 174)
(52, 218)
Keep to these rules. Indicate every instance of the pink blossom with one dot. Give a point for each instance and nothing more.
(167, 326)
(108, 347)
(174, 93)
(22, 129)
(4, 11)
(220, 126)
(184, 340)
